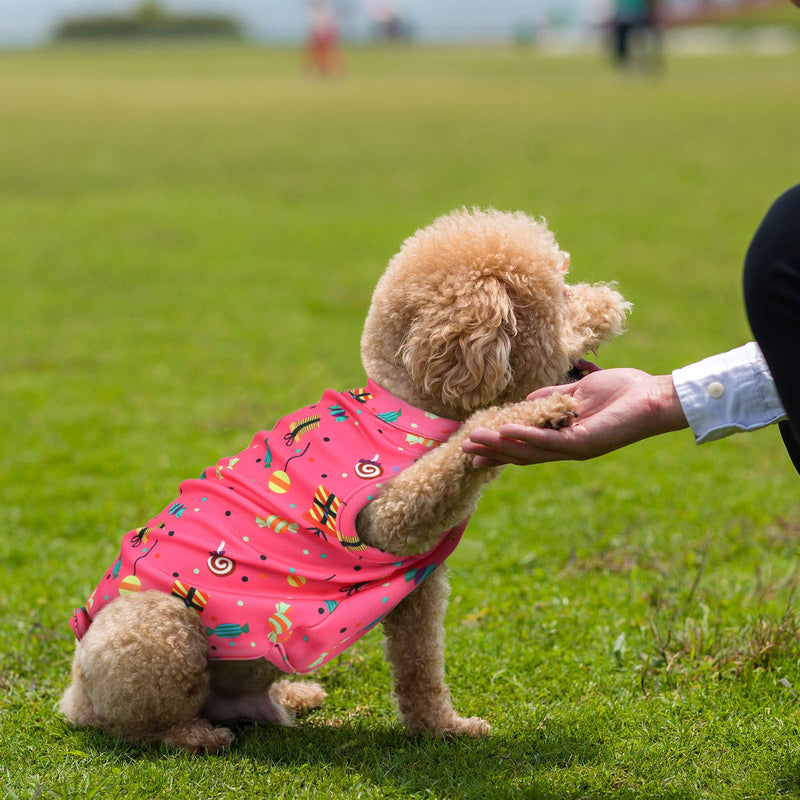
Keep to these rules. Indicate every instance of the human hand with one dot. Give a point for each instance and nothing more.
(616, 407)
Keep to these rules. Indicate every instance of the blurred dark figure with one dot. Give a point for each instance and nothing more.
(636, 34)
(386, 24)
(323, 53)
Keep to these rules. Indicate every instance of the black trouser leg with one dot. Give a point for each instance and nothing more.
(622, 46)
(772, 299)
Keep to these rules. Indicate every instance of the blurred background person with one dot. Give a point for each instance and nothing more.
(385, 22)
(635, 33)
(323, 52)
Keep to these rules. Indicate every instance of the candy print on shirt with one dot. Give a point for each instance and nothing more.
(263, 546)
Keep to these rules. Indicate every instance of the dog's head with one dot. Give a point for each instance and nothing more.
(474, 311)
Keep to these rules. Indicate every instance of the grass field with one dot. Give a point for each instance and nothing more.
(188, 243)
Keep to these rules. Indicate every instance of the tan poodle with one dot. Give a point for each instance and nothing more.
(190, 629)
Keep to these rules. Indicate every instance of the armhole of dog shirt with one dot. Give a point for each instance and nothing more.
(352, 505)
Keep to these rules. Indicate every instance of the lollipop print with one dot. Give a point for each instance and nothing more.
(219, 564)
(369, 468)
(295, 580)
(130, 584)
(279, 482)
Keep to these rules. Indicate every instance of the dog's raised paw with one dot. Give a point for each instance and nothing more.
(556, 411)
(560, 421)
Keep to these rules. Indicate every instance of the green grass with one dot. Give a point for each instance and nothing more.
(188, 242)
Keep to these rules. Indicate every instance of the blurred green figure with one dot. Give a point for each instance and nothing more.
(635, 31)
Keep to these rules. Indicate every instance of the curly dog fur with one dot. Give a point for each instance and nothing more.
(470, 316)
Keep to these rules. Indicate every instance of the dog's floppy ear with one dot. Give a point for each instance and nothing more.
(460, 350)
(595, 314)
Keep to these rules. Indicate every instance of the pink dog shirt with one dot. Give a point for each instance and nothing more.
(264, 545)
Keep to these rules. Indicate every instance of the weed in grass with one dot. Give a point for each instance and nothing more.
(692, 650)
(696, 650)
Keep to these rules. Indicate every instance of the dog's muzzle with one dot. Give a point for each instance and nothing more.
(580, 369)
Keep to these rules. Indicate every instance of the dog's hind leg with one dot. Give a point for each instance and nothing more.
(141, 672)
(245, 690)
(75, 704)
(197, 736)
(298, 696)
(415, 649)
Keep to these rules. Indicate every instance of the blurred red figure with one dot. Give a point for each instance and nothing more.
(323, 52)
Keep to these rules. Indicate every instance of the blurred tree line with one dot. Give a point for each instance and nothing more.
(148, 21)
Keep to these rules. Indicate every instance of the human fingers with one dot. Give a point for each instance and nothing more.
(533, 445)
(490, 449)
(508, 439)
(485, 462)
(481, 438)
(485, 448)
(547, 438)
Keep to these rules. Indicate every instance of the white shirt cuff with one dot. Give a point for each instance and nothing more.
(728, 393)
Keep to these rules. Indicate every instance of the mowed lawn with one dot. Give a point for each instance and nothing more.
(188, 242)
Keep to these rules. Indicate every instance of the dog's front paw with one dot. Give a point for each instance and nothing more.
(556, 411)
(468, 726)
(451, 725)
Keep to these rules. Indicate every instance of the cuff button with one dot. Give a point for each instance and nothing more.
(715, 390)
